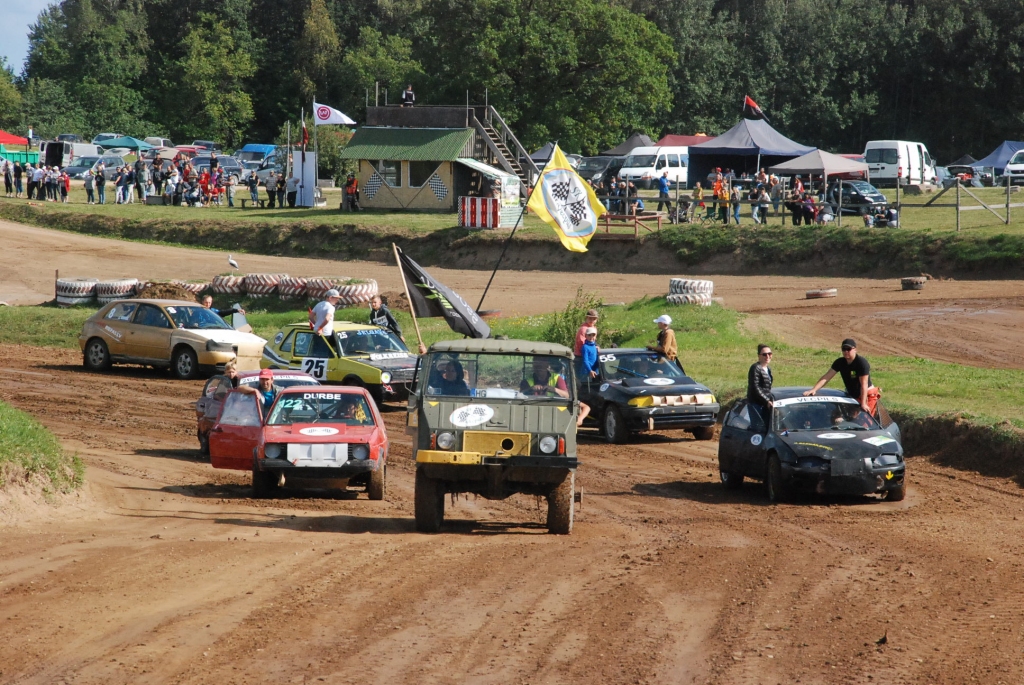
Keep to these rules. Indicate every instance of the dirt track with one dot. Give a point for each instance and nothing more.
(163, 570)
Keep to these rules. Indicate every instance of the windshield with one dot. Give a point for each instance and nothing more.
(103, 136)
(618, 367)
(862, 187)
(85, 161)
(881, 155)
(349, 409)
(1018, 158)
(247, 156)
(594, 163)
(839, 413)
(279, 380)
(639, 161)
(371, 341)
(508, 376)
(196, 317)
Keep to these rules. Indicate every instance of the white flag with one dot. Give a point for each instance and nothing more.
(329, 115)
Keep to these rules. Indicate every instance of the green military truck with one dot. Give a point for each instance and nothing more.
(495, 418)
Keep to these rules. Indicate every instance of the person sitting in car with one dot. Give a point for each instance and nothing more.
(543, 381)
(452, 381)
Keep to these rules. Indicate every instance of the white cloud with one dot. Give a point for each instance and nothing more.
(15, 18)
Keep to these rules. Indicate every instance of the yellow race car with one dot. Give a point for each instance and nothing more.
(356, 354)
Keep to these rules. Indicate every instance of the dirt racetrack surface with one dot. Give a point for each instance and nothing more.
(971, 322)
(163, 570)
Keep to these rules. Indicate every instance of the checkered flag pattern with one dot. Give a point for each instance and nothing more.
(438, 186)
(373, 185)
(577, 211)
(560, 191)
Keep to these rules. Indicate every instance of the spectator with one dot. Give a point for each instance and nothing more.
(271, 185)
(408, 97)
(762, 204)
(19, 170)
(8, 172)
(698, 199)
(666, 343)
(352, 193)
(292, 186)
(89, 183)
(253, 183)
(229, 189)
(101, 183)
(776, 193)
(734, 197)
(64, 185)
(282, 186)
(663, 188)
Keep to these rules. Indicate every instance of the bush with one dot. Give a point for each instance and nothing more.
(564, 324)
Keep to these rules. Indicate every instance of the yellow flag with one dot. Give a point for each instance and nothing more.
(567, 202)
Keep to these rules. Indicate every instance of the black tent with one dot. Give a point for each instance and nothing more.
(750, 144)
(634, 141)
(543, 154)
(966, 160)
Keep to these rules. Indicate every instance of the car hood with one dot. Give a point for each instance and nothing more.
(383, 361)
(840, 444)
(319, 433)
(223, 335)
(682, 385)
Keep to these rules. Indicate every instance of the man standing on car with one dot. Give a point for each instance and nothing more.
(856, 373)
(381, 316)
(322, 315)
(666, 345)
(759, 383)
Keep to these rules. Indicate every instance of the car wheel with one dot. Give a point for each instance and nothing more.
(204, 444)
(704, 433)
(778, 489)
(429, 502)
(96, 356)
(377, 487)
(615, 430)
(561, 506)
(263, 483)
(897, 494)
(731, 481)
(185, 364)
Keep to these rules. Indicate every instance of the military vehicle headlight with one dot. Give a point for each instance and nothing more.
(360, 452)
(273, 451)
(705, 399)
(642, 401)
(385, 377)
(547, 444)
(445, 441)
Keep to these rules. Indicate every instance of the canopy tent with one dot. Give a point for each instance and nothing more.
(629, 144)
(11, 139)
(820, 163)
(677, 141)
(1001, 155)
(750, 144)
(543, 154)
(966, 160)
(126, 141)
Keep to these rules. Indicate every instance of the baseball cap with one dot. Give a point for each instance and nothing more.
(332, 293)
(590, 331)
(664, 318)
(266, 373)
(849, 343)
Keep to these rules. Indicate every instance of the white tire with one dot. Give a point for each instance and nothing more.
(229, 285)
(262, 285)
(120, 289)
(291, 288)
(316, 287)
(72, 301)
(914, 282)
(76, 288)
(357, 293)
(821, 293)
(689, 286)
(699, 299)
(194, 288)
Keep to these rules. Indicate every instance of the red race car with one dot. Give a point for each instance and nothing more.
(209, 404)
(323, 432)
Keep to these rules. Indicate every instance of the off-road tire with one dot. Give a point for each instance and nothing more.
(778, 490)
(377, 486)
(264, 483)
(614, 426)
(429, 503)
(703, 433)
(913, 282)
(731, 481)
(185, 363)
(96, 356)
(561, 506)
(897, 494)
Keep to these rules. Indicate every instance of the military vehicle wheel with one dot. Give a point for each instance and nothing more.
(377, 487)
(615, 430)
(703, 433)
(429, 503)
(561, 506)
(897, 494)
(263, 483)
(778, 489)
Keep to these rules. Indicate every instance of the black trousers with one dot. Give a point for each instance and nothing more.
(664, 199)
(271, 197)
(31, 189)
(291, 198)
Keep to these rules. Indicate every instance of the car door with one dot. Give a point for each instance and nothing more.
(236, 433)
(116, 325)
(740, 442)
(208, 406)
(149, 336)
(311, 353)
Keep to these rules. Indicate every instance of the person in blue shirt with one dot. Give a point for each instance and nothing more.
(266, 391)
(663, 186)
(588, 367)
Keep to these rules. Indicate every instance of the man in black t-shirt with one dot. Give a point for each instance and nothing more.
(856, 373)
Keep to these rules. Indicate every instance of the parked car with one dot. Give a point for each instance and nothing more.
(645, 165)
(858, 197)
(111, 163)
(1014, 171)
(100, 137)
(57, 153)
(228, 165)
(207, 144)
(269, 164)
(889, 160)
(156, 141)
(599, 168)
(254, 152)
(81, 165)
(970, 176)
(943, 177)
(70, 138)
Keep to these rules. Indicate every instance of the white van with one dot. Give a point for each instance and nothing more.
(905, 160)
(159, 142)
(57, 153)
(644, 165)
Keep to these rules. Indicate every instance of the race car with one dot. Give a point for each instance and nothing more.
(326, 433)
(166, 333)
(638, 390)
(357, 354)
(824, 444)
(211, 400)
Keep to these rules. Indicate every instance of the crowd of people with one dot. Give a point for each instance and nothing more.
(49, 184)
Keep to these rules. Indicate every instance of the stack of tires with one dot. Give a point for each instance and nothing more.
(350, 293)
(229, 285)
(119, 289)
(690, 291)
(914, 282)
(291, 288)
(194, 287)
(262, 285)
(72, 291)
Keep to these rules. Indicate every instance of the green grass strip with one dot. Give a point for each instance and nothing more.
(29, 452)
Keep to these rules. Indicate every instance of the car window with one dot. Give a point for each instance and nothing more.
(312, 345)
(196, 317)
(224, 386)
(321, 407)
(1018, 158)
(673, 160)
(617, 367)
(739, 417)
(148, 315)
(240, 410)
(210, 386)
(882, 155)
(122, 311)
(512, 376)
(286, 346)
(841, 414)
(370, 341)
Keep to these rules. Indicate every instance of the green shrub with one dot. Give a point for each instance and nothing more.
(29, 452)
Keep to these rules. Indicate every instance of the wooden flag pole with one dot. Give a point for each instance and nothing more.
(405, 286)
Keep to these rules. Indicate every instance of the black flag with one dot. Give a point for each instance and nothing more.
(431, 298)
(751, 110)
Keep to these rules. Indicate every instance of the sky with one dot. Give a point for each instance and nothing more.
(15, 17)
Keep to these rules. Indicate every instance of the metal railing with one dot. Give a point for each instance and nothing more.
(493, 120)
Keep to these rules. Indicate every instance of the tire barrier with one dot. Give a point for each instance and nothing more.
(193, 287)
(822, 293)
(291, 288)
(120, 289)
(316, 287)
(261, 285)
(914, 282)
(688, 286)
(353, 293)
(229, 285)
(72, 291)
(699, 299)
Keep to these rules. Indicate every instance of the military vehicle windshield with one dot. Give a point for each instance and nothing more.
(508, 376)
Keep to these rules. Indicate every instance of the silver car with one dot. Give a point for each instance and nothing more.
(111, 163)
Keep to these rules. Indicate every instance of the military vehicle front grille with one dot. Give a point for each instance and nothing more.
(494, 442)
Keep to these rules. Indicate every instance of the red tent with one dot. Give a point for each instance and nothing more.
(11, 139)
(674, 140)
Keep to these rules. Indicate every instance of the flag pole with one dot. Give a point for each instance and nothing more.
(316, 155)
(405, 286)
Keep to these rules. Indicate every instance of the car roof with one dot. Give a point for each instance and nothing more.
(343, 389)
(162, 303)
(347, 325)
(501, 346)
(276, 372)
(790, 392)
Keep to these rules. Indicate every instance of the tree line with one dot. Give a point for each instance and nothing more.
(584, 72)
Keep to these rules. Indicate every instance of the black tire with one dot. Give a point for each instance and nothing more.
(377, 393)
(429, 503)
(613, 426)
(704, 433)
(561, 506)
(778, 489)
(204, 443)
(376, 488)
(264, 483)
(731, 481)
(897, 494)
(96, 356)
(185, 363)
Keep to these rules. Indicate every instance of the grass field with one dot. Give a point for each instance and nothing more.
(712, 348)
(29, 453)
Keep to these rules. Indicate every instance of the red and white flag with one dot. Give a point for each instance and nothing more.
(751, 110)
(322, 114)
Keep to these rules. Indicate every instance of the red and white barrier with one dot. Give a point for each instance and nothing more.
(479, 212)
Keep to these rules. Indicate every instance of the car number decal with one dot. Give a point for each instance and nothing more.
(469, 415)
(377, 356)
(835, 436)
(606, 357)
(315, 367)
(878, 440)
(658, 381)
(319, 430)
(756, 439)
(604, 386)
